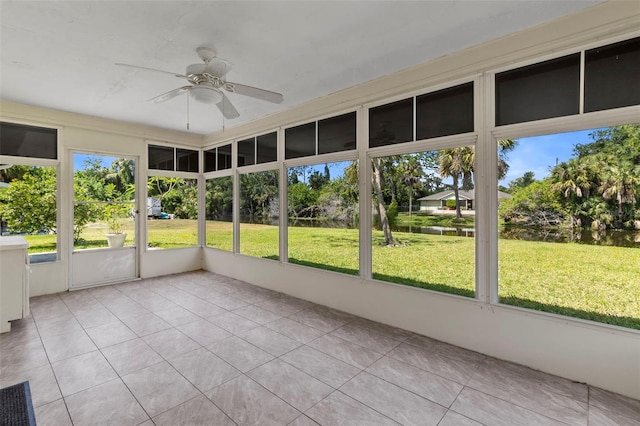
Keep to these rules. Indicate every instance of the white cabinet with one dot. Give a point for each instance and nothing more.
(14, 281)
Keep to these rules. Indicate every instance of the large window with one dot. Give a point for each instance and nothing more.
(219, 213)
(323, 216)
(424, 220)
(259, 214)
(172, 197)
(569, 225)
(172, 212)
(28, 207)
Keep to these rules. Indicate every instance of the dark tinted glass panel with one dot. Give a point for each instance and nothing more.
(445, 112)
(28, 141)
(337, 133)
(187, 160)
(161, 157)
(612, 76)
(391, 123)
(267, 146)
(300, 141)
(210, 160)
(246, 152)
(224, 157)
(545, 90)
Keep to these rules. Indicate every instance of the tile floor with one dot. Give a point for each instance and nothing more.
(200, 348)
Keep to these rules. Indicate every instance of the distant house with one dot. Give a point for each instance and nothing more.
(437, 203)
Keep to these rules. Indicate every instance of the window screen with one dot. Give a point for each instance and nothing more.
(612, 76)
(246, 152)
(267, 147)
(28, 141)
(161, 157)
(545, 90)
(337, 134)
(300, 141)
(224, 157)
(445, 112)
(391, 123)
(187, 160)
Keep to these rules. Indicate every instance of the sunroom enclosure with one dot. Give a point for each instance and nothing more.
(450, 286)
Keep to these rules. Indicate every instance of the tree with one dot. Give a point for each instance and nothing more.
(28, 205)
(378, 185)
(411, 171)
(522, 182)
(256, 192)
(621, 182)
(452, 164)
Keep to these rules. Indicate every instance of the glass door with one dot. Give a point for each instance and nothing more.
(104, 220)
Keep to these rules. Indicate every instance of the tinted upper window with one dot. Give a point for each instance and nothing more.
(28, 141)
(612, 76)
(246, 152)
(445, 112)
(224, 157)
(210, 163)
(267, 148)
(337, 133)
(391, 123)
(161, 157)
(300, 141)
(188, 160)
(544, 90)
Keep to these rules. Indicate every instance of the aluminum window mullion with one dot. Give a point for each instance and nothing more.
(582, 88)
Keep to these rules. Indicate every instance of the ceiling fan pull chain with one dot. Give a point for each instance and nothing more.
(187, 112)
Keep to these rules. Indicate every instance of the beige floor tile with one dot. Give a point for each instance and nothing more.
(268, 340)
(64, 346)
(609, 401)
(394, 402)
(145, 324)
(53, 414)
(198, 411)
(292, 385)
(170, 343)
(204, 369)
(204, 332)
(159, 388)
(249, 404)
(323, 367)
(42, 383)
(257, 314)
(82, 372)
(346, 351)
(294, 330)
(108, 403)
(110, 334)
(339, 409)
(130, 356)
(242, 355)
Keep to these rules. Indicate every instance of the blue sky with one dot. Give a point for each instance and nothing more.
(79, 159)
(539, 153)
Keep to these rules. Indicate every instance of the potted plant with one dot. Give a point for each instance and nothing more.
(113, 215)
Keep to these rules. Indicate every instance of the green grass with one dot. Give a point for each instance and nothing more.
(599, 283)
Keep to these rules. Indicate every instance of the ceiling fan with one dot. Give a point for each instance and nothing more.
(206, 81)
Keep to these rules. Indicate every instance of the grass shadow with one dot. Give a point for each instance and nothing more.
(622, 321)
(349, 271)
(443, 288)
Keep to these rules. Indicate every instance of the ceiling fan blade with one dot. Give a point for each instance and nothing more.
(226, 108)
(152, 69)
(254, 92)
(169, 95)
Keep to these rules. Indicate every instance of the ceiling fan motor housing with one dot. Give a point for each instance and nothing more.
(206, 94)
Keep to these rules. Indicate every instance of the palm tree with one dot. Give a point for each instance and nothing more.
(621, 182)
(411, 171)
(451, 164)
(573, 180)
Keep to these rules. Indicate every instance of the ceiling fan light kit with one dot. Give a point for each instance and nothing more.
(206, 81)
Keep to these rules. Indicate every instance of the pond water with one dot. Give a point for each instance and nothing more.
(552, 235)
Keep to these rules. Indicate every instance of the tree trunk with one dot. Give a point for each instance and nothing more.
(410, 199)
(382, 211)
(457, 196)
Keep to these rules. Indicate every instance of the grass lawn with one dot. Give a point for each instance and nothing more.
(599, 283)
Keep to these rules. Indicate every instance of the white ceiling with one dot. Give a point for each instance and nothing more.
(61, 54)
